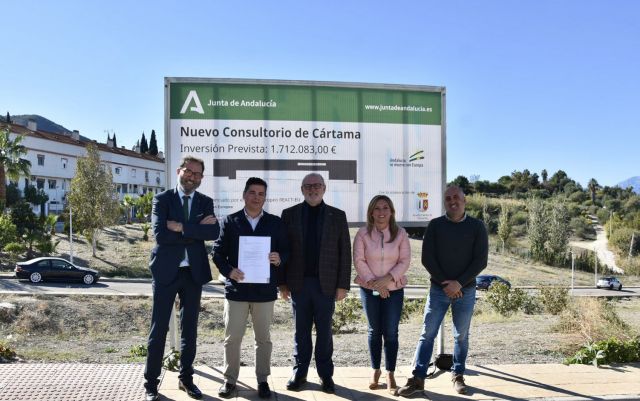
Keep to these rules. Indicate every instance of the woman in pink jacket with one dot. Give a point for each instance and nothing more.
(381, 255)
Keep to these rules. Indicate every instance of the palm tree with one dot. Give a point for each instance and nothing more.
(593, 187)
(11, 163)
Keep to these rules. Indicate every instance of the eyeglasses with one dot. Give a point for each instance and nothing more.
(195, 174)
(317, 185)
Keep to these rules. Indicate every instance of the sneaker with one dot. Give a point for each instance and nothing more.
(263, 390)
(458, 384)
(414, 385)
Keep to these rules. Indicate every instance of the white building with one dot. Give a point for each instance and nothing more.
(54, 157)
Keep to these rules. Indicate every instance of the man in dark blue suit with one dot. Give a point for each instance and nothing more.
(182, 219)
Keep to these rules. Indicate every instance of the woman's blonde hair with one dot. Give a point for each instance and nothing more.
(393, 226)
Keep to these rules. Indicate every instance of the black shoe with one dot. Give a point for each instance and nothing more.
(295, 383)
(226, 390)
(151, 395)
(263, 390)
(328, 386)
(191, 389)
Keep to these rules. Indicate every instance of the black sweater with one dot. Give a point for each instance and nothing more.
(455, 251)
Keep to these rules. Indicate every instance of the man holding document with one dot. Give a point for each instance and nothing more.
(252, 246)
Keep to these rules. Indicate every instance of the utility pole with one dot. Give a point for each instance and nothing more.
(573, 269)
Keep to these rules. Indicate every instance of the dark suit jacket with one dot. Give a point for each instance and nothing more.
(334, 269)
(169, 250)
(225, 255)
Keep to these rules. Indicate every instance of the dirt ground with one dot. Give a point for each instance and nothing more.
(107, 329)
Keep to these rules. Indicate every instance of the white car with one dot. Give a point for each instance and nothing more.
(610, 283)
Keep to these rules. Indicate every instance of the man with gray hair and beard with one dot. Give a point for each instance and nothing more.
(317, 274)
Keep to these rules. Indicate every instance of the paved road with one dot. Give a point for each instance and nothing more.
(142, 287)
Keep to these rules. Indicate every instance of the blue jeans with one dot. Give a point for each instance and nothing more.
(383, 315)
(462, 311)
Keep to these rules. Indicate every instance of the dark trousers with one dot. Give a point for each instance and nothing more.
(383, 316)
(163, 298)
(311, 306)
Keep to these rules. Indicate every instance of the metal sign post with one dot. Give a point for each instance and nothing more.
(573, 270)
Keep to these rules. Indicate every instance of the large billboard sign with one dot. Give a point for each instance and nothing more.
(364, 139)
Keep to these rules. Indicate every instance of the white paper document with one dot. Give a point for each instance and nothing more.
(253, 259)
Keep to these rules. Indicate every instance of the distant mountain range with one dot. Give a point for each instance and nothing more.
(631, 182)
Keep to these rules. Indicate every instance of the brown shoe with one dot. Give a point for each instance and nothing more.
(373, 384)
(391, 383)
(414, 385)
(458, 384)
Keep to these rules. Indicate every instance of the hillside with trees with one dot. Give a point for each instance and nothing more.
(536, 215)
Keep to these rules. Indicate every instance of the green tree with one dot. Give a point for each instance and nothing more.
(144, 205)
(537, 228)
(505, 226)
(115, 141)
(559, 230)
(8, 231)
(11, 163)
(153, 144)
(144, 146)
(93, 196)
(544, 175)
(593, 187)
(37, 197)
(27, 225)
(13, 194)
(463, 183)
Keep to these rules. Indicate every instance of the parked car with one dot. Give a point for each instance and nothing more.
(484, 281)
(610, 283)
(54, 269)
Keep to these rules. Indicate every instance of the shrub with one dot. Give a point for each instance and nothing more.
(145, 229)
(171, 361)
(582, 228)
(7, 312)
(15, 248)
(621, 239)
(36, 319)
(412, 307)
(6, 353)
(531, 305)
(607, 351)
(594, 320)
(346, 314)
(8, 231)
(505, 300)
(519, 218)
(138, 350)
(554, 299)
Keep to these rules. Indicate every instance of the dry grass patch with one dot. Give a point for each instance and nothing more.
(38, 318)
(594, 319)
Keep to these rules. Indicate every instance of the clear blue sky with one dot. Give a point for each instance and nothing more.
(530, 84)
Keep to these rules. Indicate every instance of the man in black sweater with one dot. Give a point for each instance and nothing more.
(246, 297)
(454, 251)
